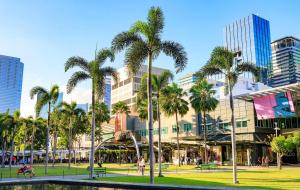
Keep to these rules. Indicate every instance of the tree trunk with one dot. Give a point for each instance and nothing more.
(47, 138)
(54, 147)
(25, 137)
(12, 146)
(93, 131)
(279, 161)
(159, 139)
(177, 133)
(150, 117)
(70, 141)
(3, 153)
(31, 148)
(204, 138)
(233, 140)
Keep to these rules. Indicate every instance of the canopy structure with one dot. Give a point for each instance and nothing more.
(295, 88)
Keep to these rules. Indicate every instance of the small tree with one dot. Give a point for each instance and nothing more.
(282, 146)
(296, 139)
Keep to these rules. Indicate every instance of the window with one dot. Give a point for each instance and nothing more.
(174, 129)
(164, 130)
(240, 124)
(224, 126)
(187, 127)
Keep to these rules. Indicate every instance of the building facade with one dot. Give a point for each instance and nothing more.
(250, 39)
(127, 86)
(285, 61)
(11, 79)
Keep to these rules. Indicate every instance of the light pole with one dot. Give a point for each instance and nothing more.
(276, 133)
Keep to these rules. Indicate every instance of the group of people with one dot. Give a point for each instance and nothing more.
(141, 165)
(263, 161)
(24, 169)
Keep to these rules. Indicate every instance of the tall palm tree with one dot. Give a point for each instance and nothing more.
(159, 82)
(143, 41)
(16, 121)
(223, 62)
(120, 108)
(35, 125)
(49, 98)
(95, 71)
(71, 111)
(6, 123)
(173, 103)
(102, 114)
(57, 121)
(202, 100)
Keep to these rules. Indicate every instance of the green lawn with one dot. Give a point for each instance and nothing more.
(258, 179)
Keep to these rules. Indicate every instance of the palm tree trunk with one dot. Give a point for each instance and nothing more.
(24, 150)
(12, 146)
(204, 139)
(70, 137)
(150, 117)
(54, 147)
(47, 138)
(93, 131)
(279, 162)
(159, 139)
(233, 140)
(3, 153)
(177, 133)
(31, 148)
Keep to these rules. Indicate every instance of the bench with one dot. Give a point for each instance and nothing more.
(163, 167)
(209, 166)
(99, 171)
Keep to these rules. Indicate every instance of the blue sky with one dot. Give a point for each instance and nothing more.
(45, 33)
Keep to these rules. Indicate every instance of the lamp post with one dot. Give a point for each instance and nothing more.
(276, 133)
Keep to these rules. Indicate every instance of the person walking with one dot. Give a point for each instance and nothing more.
(142, 165)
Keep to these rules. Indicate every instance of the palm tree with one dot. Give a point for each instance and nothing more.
(71, 111)
(44, 98)
(174, 104)
(35, 125)
(120, 108)
(202, 100)
(6, 123)
(16, 121)
(223, 62)
(95, 71)
(159, 82)
(143, 41)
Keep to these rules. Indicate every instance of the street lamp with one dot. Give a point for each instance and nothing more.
(276, 133)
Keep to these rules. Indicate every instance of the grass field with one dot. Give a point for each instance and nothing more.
(257, 179)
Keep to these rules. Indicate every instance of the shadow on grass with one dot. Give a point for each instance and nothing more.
(178, 181)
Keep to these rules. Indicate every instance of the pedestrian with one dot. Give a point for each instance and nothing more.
(142, 165)
(267, 161)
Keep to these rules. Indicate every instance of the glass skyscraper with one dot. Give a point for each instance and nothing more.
(11, 79)
(107, 93)
(250, 38)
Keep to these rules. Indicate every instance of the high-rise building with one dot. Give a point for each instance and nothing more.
(11, 78)
(250, 39)
(127, 87)
(84, 107)
(285, 61)
(44, 110)
(107, 92)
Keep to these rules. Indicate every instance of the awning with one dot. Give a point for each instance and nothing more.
(249, 96)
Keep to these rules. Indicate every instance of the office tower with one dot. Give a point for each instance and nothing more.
(107, 92)
(84, 107)
(285, 61)
(250, 39)
(44, 110)
(127, 87)
(11, 78)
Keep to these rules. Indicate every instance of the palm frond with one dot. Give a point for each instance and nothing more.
(42, 101)
(135, 56)
(248, 67)
(140, 27)
(37, 90)
(176, 51)
(209, 70)
(104, 54)
(222, 57)
(110, 71)
(156, 20)
(77, 61)
(54, 93)
(124, 40)
(75, 79)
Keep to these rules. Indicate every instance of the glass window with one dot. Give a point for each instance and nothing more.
(174, 129)
(187, 127)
